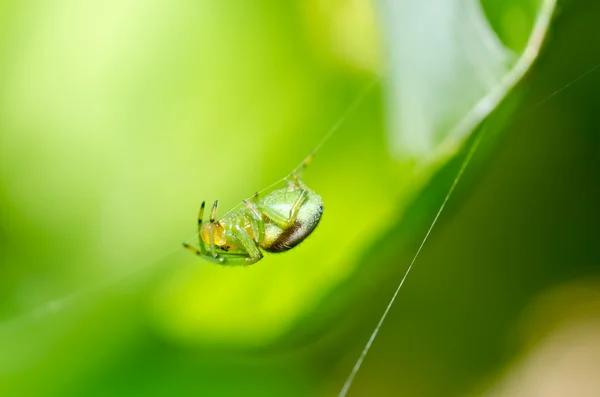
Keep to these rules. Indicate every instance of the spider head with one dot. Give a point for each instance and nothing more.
(217, 231)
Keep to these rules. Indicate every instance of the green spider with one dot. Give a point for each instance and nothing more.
(274, 222)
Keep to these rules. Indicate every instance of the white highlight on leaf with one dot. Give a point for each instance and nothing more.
(449, 71)
(467, 124)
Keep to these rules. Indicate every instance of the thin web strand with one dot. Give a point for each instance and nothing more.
(336, 126)
(58, 304)
(358, 99)
(566, 86)
(357, 365)
(348, 383)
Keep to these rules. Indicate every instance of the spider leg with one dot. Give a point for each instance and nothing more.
(274, 217)
(213, 211)
(307, 160)
(254, 253)
(200, 216)
(198, 252)
(201, 251)
(282, 221)
(294, 181)
(222, 258)
(231, 258)
(258, 225)
(211, 230)
(296, 206)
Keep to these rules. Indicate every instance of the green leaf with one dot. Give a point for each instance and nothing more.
(449, 69)
(121, 119)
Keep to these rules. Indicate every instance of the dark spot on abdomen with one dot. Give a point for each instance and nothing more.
(294, 235)
(285, 241)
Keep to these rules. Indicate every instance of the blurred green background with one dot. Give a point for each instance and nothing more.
(118, 117)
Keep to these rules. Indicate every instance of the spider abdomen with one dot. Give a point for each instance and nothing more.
(274, 222)
(279, 239)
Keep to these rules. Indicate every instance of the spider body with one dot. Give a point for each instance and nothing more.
(275, 222)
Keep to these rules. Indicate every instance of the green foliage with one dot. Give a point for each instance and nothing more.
(119, 118)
